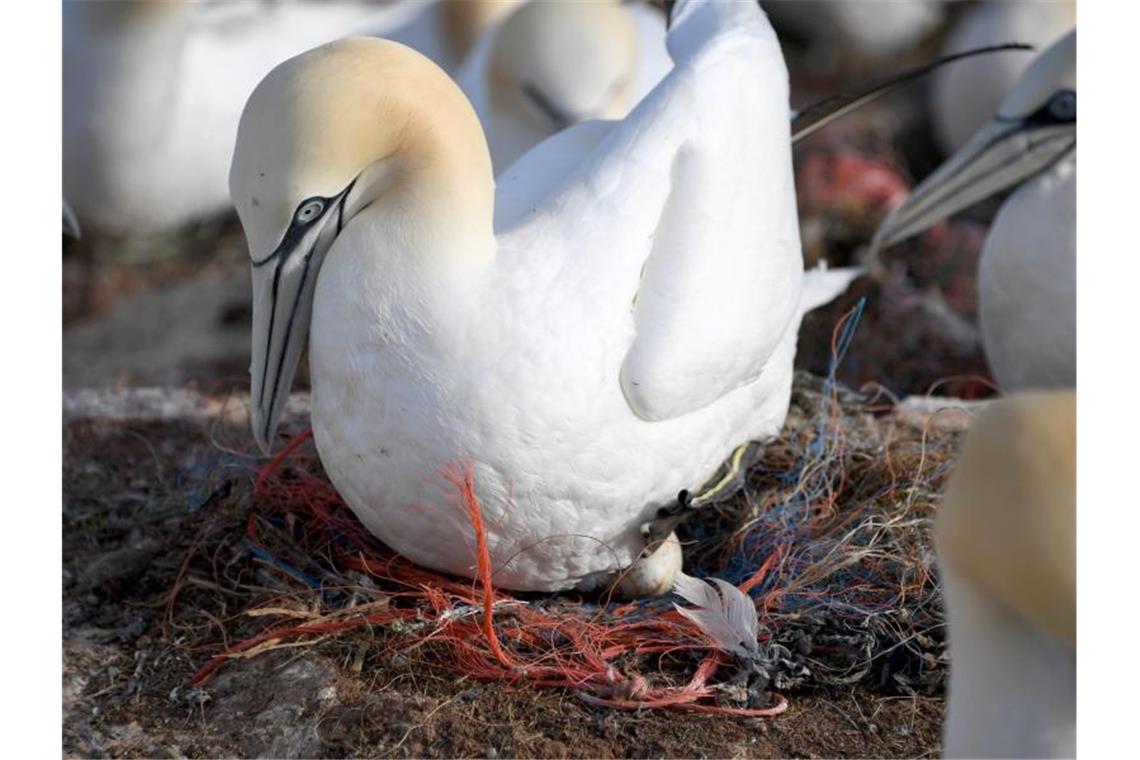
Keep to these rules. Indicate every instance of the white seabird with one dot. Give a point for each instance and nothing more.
(152, 92)
(964, 97)
(593, 336)
(1006, 540)
(552, 64)
(870, 29)
(1027, 273)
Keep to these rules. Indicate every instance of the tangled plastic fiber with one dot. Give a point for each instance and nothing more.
(830, 538)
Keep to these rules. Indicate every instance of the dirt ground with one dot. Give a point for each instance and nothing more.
(143, 479)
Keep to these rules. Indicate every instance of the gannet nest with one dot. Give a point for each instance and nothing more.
(831, 537)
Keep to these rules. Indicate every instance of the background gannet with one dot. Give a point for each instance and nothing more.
(552, 64)
(1006, 538)
(964, 97)
(866, 29)
(1027, 273)
(448, 31)
(626, 321)
(152, 92)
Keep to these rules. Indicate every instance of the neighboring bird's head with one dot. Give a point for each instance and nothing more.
(1035, 126)
(1008, 523)
(463, 21)
(557, 63)
(326, 134)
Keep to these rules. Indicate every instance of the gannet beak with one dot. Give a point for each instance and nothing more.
(284, 282)
(1002, 154)
(70, 223)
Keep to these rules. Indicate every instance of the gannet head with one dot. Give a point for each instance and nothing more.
(464, 20)
(1035, 126)
(350, 124)
(557, 63)
(1006, 542)
(1008, 523)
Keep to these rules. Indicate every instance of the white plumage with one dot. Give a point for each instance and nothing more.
(152, 93)
(629, 319)
(722, 611)
(1027, 284)
(873, 29)
(1007, 551)
(553, 64)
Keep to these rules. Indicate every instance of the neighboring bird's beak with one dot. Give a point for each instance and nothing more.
(1002, 154)
(70, 223)
(284, 283)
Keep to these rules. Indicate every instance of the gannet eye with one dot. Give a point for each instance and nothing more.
(309, 211)
(1063, 106)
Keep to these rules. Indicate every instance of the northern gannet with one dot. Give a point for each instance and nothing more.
(152, 93)
(966, 96)
(1006, 541)
(872, 29)
(448, 31)
(1027, 273)
(553, 63)
(591, 337)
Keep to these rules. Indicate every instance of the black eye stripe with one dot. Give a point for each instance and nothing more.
(298, 228)
(1060, 108)
(1063, 105)
(309, 210)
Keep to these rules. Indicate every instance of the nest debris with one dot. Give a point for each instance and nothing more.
(831, 537)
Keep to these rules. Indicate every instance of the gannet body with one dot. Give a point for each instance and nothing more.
(964, 97)
(629, 317)
(1027, 283)
(1027, 272)
(1007, 550)
(152, 92)
(552, 64)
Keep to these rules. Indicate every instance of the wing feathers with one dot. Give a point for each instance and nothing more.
(723, 611)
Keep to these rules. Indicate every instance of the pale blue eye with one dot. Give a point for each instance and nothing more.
(1063, 106)
(309, 211)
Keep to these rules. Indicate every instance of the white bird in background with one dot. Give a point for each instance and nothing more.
(552, 64)
(966, 96)
(152, 92)
(1027, 272)
(448, 31)
(1006, 540)
(592, 336)
(870, 29)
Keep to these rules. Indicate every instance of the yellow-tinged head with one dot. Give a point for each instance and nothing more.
(348, 125)
(556, 63)
(464, 20)
(1008, 523)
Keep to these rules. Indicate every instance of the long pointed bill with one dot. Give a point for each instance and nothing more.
(284, 283)
(70, 223)
(1001, 155)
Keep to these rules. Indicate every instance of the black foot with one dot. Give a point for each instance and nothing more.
(668, 518)
(728, 480)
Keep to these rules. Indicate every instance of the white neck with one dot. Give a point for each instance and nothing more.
(1012, 689)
